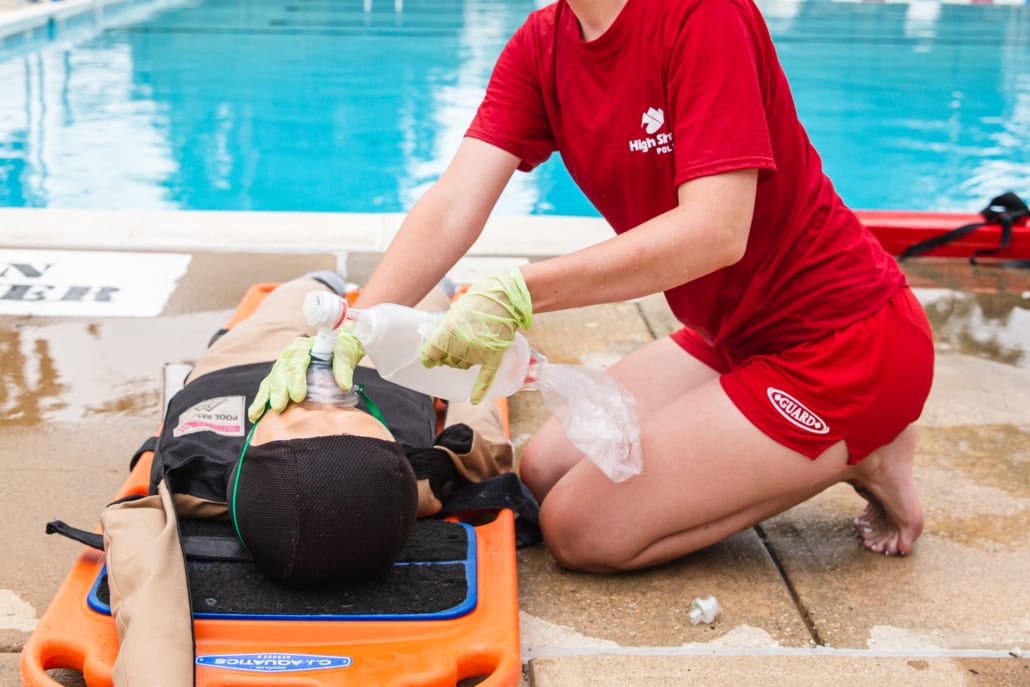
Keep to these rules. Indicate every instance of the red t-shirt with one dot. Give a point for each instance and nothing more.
(672, 91)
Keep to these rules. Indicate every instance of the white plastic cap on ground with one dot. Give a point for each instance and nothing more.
(704, 610)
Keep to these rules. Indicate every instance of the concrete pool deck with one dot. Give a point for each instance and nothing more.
(803, 603)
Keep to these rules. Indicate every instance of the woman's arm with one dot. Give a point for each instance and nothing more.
(442, 225)
(707, 231)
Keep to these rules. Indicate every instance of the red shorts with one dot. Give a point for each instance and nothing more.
(863, 384)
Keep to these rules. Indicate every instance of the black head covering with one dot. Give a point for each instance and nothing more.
(323, 508)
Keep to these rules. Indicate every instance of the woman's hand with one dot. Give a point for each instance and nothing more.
(287, 381)
(480, 326)
(347, 351)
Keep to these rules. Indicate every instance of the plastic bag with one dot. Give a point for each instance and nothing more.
(599, 417)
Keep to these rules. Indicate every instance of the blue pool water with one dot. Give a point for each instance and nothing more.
(357, 105)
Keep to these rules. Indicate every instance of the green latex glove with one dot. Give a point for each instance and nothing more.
(480, 326)
(347, 351)
(286, 381)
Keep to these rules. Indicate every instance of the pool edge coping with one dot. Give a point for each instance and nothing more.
(42, 14)
(276, 232)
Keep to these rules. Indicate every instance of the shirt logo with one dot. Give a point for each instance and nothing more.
(653, 120)
(795, 411)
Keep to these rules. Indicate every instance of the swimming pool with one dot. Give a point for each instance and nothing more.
(356, 106)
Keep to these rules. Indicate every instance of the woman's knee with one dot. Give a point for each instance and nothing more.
(531, 471)
(568, 540)
(544, 460)
(578, 539)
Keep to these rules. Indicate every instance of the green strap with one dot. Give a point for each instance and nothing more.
(373, 409)
(239, 469)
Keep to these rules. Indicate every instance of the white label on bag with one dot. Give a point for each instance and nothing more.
(222, 415)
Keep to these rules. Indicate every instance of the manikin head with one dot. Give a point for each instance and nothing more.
(322, 493)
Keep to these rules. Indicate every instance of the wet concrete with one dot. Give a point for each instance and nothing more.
(802, 601)
(77, 398)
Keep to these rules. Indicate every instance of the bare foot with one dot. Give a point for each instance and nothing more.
(893, 519)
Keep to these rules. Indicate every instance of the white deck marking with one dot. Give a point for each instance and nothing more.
(59, 283)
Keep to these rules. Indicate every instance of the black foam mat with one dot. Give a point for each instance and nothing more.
(432, 577)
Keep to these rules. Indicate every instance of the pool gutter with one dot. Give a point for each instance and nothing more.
(47, 20)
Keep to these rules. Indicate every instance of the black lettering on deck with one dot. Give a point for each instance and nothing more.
(24, 269)
(49, 292)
